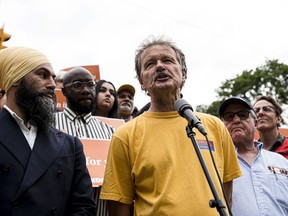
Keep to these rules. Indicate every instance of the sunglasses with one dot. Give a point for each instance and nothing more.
(229, 116)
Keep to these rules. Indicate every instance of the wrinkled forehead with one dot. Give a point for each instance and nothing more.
(262, 103)
(157, 51)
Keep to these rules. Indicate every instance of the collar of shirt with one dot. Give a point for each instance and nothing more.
(72, 115)
(30, 132)
(257, 144)
(280, 139)
(18, 119)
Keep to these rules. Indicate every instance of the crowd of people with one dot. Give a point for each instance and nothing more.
(263, 188)
(152, 167)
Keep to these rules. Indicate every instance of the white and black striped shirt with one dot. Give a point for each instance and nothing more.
(85, 126)
(82, 126)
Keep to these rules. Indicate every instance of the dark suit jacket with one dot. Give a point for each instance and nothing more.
(51, 179)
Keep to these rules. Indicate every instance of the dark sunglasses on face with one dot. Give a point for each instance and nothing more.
(80, 85)
(265, 109)
(229, 116)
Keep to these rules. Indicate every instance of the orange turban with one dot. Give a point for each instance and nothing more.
(16, 62)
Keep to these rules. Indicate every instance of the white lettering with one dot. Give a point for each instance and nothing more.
(93, 162)
(97, 180)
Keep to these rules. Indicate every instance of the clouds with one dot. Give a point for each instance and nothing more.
(219, 38)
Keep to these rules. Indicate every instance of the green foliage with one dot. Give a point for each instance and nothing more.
(269, 79)
(212, 109)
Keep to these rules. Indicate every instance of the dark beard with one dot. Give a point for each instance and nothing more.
(78, 107)
(38, 108)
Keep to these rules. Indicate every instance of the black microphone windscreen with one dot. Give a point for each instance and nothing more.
(181, 105)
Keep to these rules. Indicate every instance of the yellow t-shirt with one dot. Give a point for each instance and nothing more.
(152, 160)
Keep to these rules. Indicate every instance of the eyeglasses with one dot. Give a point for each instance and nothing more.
(80, 85)
(265, 109)
(229, 116)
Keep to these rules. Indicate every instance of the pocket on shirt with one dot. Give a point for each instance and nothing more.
(279, 184)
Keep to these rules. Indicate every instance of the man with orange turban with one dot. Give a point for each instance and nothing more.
(43, 171)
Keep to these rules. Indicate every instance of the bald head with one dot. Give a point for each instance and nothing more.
(72, 75)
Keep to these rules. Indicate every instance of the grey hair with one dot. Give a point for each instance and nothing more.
(152, 41)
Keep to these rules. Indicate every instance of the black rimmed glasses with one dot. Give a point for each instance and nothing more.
(229, 116)
(265, 109)
(80, 85)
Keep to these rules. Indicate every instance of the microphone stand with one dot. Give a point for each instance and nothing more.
(217, 202)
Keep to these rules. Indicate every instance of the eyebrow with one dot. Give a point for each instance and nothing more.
(45, 70)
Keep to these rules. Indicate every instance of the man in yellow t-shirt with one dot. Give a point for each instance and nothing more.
(152, 161)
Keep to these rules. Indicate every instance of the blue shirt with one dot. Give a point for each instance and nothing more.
(263, 187)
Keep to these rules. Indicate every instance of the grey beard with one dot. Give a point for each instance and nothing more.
(41, 112)
(125, 110)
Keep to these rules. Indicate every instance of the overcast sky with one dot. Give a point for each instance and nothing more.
(219, 38)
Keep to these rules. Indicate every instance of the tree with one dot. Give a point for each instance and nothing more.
(269, 79)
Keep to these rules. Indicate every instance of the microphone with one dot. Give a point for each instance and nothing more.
(186, 111)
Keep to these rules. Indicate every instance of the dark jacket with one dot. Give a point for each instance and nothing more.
(51, 179)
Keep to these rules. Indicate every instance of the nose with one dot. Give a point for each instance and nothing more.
(236, 118)
(86, 90)
(160, 66)
(51, 83)
(259, 112)
(126, 97)
(108, 93)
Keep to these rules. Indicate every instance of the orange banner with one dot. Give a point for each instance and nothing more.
(60, 99)
(96, 152)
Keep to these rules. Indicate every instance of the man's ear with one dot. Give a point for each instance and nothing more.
(143, 88)
(184, 77)
(141, 84)
(279, 120)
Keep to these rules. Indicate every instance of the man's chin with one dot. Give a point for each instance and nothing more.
(84, 107)
(126, 109)
(125, 106)
(85, 103)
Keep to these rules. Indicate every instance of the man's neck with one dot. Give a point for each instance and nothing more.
(268, 138)
(127, 118)
(18, 111)
(247, 152)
